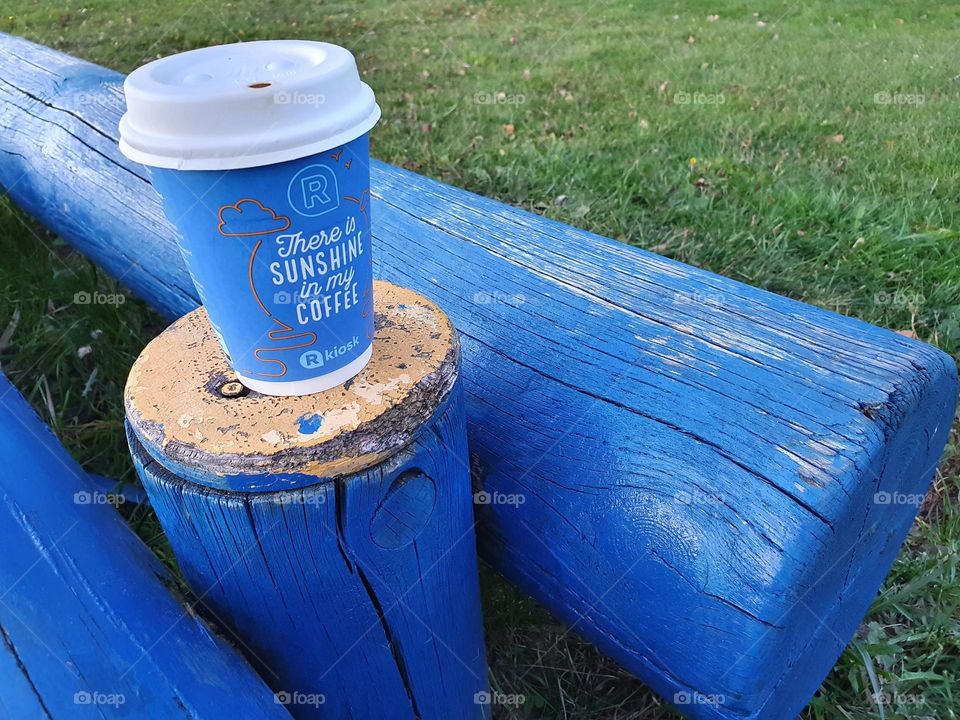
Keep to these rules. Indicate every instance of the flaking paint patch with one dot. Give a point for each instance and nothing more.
(342, 420)
(418, 313)
(309, 424)
(272, 437)
(171, 394)
(383, 392)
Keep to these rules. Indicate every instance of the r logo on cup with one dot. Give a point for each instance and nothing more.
(314, 191)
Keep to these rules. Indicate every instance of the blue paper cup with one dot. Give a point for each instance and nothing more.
(280, 255)
(260, 152)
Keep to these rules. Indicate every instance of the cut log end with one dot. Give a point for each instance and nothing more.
(185, 404)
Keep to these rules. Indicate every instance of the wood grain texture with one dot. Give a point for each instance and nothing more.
(702, 464)
(357, 597)
(261, 442)
(88, 626)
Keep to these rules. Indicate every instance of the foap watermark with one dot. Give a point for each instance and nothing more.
(307, 499)
(682, 97)
(896, 699)
(885, 97)
(898, 498)
(499, 698)
(98, 298)
(85, 98)
(687, 697)
(284, 297)
(499, 98)
(299, 699)
(484, 497)
(899, 299)
(698, 498)
(283, 97)
(699, 297)
(87, 497)
(95, 697)
(495, 297)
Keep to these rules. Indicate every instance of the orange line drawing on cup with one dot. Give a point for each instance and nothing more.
(367, 312)
(276, 335)
(363, 202)
(280, 222)
(367, 308)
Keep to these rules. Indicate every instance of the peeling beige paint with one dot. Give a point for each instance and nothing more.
(171, 397)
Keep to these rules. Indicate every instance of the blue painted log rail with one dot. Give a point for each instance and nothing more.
(702, 464)
(88, 626)
(334, 531)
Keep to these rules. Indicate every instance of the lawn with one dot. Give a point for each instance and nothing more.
(809, 148)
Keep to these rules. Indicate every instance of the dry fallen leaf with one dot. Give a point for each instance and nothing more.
(908, 333)
(833, 139)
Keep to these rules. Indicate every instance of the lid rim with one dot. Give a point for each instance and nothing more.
(195, 110)
(240, 162)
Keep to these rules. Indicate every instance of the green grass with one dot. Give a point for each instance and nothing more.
(809, 148)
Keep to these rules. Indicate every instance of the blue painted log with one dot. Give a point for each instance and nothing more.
(88, 626)
(704, 466)
(332, 532)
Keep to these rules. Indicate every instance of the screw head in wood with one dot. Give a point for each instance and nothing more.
(233, 389)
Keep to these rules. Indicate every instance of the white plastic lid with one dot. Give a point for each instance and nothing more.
(244, 105)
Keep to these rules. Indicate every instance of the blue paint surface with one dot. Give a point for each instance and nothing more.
(699, 460)
(362, 590)
(309, 424)
(88, 627)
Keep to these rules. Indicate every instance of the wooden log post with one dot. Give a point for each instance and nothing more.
(91, 624)
(332, 532)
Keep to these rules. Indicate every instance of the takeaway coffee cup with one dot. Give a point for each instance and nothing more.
(260, 152)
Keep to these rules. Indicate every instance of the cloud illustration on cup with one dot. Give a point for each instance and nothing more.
(248, 217)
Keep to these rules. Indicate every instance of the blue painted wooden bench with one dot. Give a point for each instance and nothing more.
(88, 624)
(703, 484)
